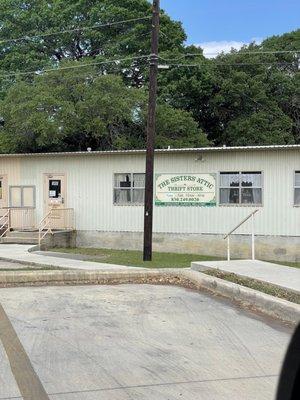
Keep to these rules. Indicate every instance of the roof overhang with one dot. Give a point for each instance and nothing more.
(223, 149)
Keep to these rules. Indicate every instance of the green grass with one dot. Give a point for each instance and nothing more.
(288, 263)
(267, 288)
(134, 258)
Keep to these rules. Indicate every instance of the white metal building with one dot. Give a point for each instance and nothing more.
(200, 194)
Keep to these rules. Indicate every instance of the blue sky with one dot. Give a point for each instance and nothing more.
(220, 24)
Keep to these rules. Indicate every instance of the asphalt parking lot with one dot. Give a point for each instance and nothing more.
(135, 342)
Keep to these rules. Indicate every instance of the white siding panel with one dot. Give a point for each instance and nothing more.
(11, 167)
(90, 190)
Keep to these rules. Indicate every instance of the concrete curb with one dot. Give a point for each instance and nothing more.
(65, 277)
(245, 297)
(34, 248)
(197, 266)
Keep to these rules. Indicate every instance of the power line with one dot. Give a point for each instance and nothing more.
(165, 66)
(240, 53)
(121, 60)
(41, 35)
(40, 72)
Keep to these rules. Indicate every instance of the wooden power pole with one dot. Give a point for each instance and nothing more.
(148, 210)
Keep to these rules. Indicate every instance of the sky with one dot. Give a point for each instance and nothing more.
(218, 25)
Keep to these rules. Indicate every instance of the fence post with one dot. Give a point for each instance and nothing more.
(252, 238)
(228, 248)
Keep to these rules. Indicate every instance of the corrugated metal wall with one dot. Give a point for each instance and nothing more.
(11, 168)
(90, 190)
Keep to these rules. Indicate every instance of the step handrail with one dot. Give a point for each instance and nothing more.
(227, 236)
(43, 225)
(46, 227)
(6, 223)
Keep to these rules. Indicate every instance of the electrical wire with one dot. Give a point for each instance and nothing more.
(239, 54)
(40, 72)
(42, 35)
(121, 60)
(165, 66)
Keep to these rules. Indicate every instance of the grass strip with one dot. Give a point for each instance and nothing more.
(287, 263)
(134, 258)
(267, 288)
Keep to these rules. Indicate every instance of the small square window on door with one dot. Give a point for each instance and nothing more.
(54, 191)
(54, 188)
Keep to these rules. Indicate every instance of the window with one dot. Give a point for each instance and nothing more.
(22, 196)
(297, 189)
(241, 188)
(54, 188)
(129, 188)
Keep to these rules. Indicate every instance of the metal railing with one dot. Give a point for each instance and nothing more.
(44, 227)
(22, 218)
(252, 234)
(56, 219)
(17, 218)
(5, 223)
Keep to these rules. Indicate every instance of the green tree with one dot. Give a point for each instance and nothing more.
(70, 110)
(241, 89)
(237, 98)
(21, 19)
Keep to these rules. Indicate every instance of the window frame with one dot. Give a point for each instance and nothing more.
(240, 187)
(22, 187)
(295, 187)
(131, 188)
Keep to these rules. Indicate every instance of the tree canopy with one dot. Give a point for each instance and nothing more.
(246, 97)
(55, 18)
(71, 111)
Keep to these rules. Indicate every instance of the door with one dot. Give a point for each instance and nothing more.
(55, 198)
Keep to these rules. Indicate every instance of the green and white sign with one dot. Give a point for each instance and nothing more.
(185, 190)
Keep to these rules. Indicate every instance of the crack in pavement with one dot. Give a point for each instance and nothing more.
(151, 385)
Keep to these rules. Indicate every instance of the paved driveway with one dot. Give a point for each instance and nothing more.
(138, 342)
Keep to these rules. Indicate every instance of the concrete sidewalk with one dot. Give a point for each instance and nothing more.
(279, 275)
(20, 253)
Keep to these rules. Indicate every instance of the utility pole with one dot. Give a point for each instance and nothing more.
(148, 209)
